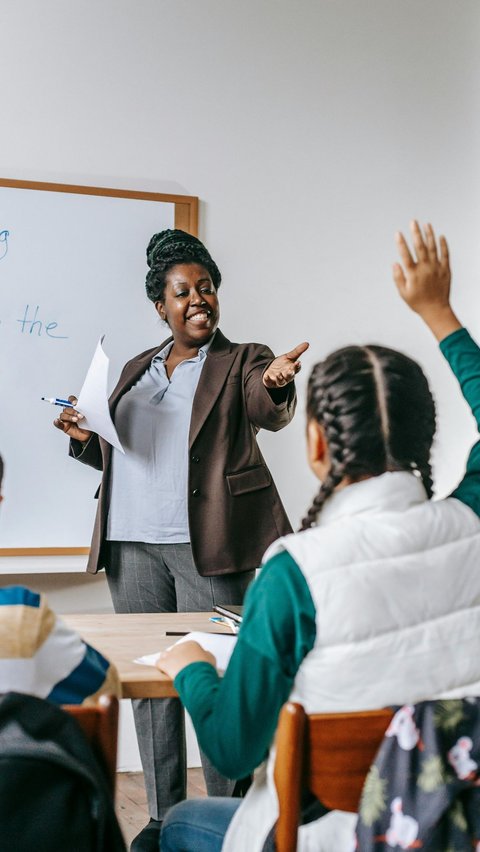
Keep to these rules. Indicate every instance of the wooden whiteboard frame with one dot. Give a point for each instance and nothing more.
(185, 218)
(186, 206)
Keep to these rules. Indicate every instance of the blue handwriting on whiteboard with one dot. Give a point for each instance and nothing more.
(4, 235)
(29, 324)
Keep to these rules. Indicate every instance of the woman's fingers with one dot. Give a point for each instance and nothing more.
(70, 415)
(274, 380)
(72, 430)
(277, 376)
(424, 284)
(282, 370)
(68, 419)
(399, 278)
(297, 351)
(426, 252)
(404, 251)
(418, 241)
(444, 253)
(431, 243)
(175, 658)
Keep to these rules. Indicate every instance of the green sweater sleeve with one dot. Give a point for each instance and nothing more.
(235, 717)
(463, 356)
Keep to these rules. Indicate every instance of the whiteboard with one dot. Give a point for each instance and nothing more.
(72, 267)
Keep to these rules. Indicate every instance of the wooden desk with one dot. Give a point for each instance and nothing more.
(123, 638)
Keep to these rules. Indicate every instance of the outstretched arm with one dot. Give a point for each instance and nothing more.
(423, 279)
(284, 368)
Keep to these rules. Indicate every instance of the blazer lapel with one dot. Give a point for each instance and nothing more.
(214, 373)
(212, 378)
(135, 369)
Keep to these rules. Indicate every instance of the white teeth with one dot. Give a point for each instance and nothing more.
(200, 317)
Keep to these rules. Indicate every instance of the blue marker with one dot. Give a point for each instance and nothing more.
(54, 401)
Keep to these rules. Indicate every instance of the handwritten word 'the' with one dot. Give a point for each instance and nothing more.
(36, 326)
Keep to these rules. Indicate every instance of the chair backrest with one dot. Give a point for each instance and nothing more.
(328, 754)
(99, 723)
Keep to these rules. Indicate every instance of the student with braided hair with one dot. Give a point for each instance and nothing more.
(374, 602)
(363, 398)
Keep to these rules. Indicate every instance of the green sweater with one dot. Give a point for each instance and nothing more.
(235, 717)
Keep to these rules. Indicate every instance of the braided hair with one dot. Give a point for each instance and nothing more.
(168, 248)
(378, 415)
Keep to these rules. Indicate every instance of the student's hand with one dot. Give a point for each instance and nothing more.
(283, 369)
(67, 422)
(174, 659)
(423, 279)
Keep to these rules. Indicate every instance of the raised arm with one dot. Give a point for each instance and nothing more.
(423, 280)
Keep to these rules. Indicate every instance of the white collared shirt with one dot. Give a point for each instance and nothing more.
(148, 486)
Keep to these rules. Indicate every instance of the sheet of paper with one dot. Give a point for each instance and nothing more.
(221, 645)
(93, 399)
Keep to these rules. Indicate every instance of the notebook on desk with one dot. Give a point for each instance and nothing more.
(230, 611)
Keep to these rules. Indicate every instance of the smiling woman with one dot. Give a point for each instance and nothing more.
(185, 515)
(189, 306)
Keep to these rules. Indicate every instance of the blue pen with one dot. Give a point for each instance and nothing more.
(53, 400)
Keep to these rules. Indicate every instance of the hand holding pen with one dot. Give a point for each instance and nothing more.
(68, 419)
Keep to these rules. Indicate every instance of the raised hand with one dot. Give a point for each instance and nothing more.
(423, 279)
(283, 369)
(67, 422)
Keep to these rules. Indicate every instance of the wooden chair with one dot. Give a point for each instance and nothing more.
(100, 726)
(328, 754)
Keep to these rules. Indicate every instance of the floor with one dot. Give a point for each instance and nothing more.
(131, 800)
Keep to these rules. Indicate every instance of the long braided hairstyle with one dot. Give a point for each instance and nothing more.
(378, 415)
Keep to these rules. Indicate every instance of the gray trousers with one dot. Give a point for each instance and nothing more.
(163, 578)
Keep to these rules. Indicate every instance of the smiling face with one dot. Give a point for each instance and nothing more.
(190, 304)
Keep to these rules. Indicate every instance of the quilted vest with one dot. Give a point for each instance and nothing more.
(395, 579)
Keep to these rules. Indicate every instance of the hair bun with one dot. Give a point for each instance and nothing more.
(170, 242)
(169, 248)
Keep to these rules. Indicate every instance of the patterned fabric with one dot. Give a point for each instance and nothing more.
(40, 655)
(423, 790)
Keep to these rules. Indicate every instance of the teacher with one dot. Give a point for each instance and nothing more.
(186, 514)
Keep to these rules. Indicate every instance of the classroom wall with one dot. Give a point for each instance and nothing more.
(311, 130)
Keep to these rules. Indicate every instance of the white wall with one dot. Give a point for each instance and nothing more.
(311, 130)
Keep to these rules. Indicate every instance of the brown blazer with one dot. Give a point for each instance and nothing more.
(234, 509)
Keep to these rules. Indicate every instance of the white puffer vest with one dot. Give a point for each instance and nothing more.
(395, 579)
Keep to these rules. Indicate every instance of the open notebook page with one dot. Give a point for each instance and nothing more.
(221, 645)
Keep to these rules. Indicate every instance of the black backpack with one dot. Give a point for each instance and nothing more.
(54, 796)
